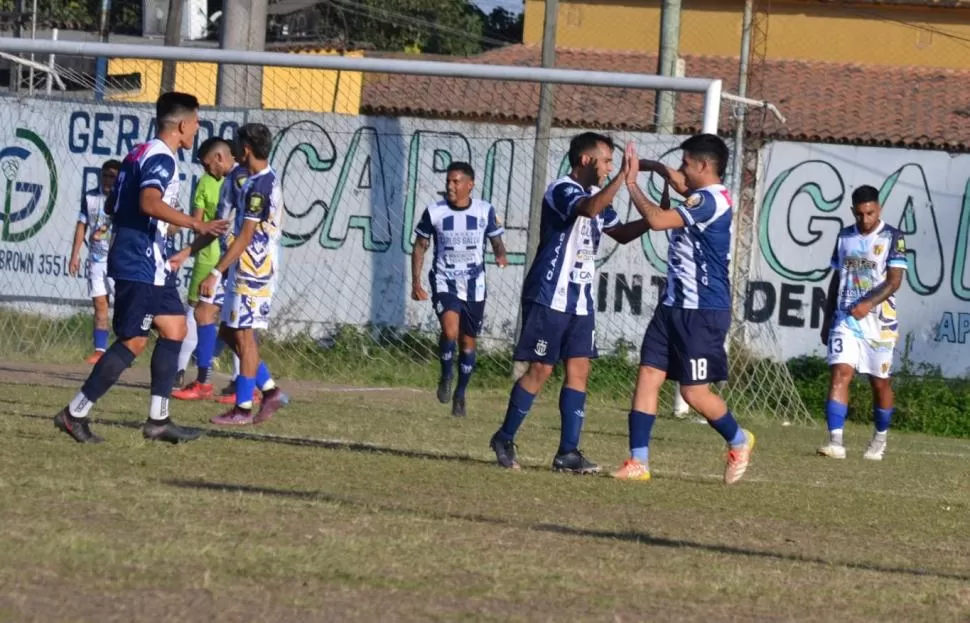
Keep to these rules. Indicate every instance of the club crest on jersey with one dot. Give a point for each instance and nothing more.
(878, 249)
(481, 223)
(255, 205)
(542, 347)
(693, 201)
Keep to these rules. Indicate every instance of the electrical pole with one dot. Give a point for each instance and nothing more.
(540, 152)
(173, 37)
(243, 28)
(101, 68)
(667, 63)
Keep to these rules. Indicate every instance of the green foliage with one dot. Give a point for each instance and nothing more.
(925, 403)
(431, 26)
(80, 14)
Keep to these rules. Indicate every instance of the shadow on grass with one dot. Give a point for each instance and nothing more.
(629, 536)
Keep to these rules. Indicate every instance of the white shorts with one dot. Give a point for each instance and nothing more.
(845, 347)
(218, 297)
(99, 283)
(244, 311)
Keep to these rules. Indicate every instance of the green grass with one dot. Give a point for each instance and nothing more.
(379, 506)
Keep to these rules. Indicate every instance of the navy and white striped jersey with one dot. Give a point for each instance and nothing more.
(138, 246)
(459, 247)
(700, 252)
(563, 275)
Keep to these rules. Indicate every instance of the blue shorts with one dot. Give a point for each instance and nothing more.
(137, 304)
(550, 336)
(688, 344)
(471, 314)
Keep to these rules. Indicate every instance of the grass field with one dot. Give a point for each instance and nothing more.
(376, 505)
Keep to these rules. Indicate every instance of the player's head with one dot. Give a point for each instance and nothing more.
(254, 141)
(591, 158)
(216, 156)
(866, 208)
(109, 173)
(705, 160)
(459, 183)
(177, 116)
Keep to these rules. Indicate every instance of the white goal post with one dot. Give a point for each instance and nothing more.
(356, 174)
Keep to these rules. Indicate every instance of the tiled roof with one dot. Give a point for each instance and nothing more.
(943, 4)
(823, 102)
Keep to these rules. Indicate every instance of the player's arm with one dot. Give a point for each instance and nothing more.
(656, 217)
(498, 248)
(831, 301)
(592, 205)
(153, 205)
(494, 231)
(422, 242)
(629, 232)
(74, 267)
(673, 177)
(896, 264)
(421, 245)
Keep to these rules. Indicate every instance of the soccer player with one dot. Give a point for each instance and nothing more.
(860, 327)
(217, 160)
(95, 222)
(459, 226)
(685, 340)
(558, 321)
(141, 209)
(251, 264)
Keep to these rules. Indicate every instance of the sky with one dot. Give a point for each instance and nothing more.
(512, 6)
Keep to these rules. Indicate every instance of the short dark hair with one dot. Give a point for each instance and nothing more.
(210, 144)
(582, 143)
(864, 194)
(709, 147)
(171, 105)
(461, 167)
(111, 165)
(257, 137)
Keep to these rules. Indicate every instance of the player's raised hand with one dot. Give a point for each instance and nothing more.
(211, 228)
(74, 267)
(631, 163)
(418, 293)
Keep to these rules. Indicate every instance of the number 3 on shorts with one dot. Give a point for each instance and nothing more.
(698, 369)
(835, 345)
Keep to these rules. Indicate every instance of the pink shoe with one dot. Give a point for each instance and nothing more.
(234, 417)
(272, 401)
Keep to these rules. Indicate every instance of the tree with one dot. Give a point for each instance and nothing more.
(501, 25)
(80, 14)
(431, 26)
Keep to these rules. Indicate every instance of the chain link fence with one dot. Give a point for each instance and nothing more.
(360, 155)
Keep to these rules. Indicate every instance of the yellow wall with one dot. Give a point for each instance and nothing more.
(796, 30)
(284, 88)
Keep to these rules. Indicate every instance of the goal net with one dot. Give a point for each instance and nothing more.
(362, 149)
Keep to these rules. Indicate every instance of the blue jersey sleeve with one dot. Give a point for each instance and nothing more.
(700, 207)
(897, 252)
(494, 228)
(157, 171)
(257, 206)
(834, 262)
(424, 228)
(610, 218)
(564, 198)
